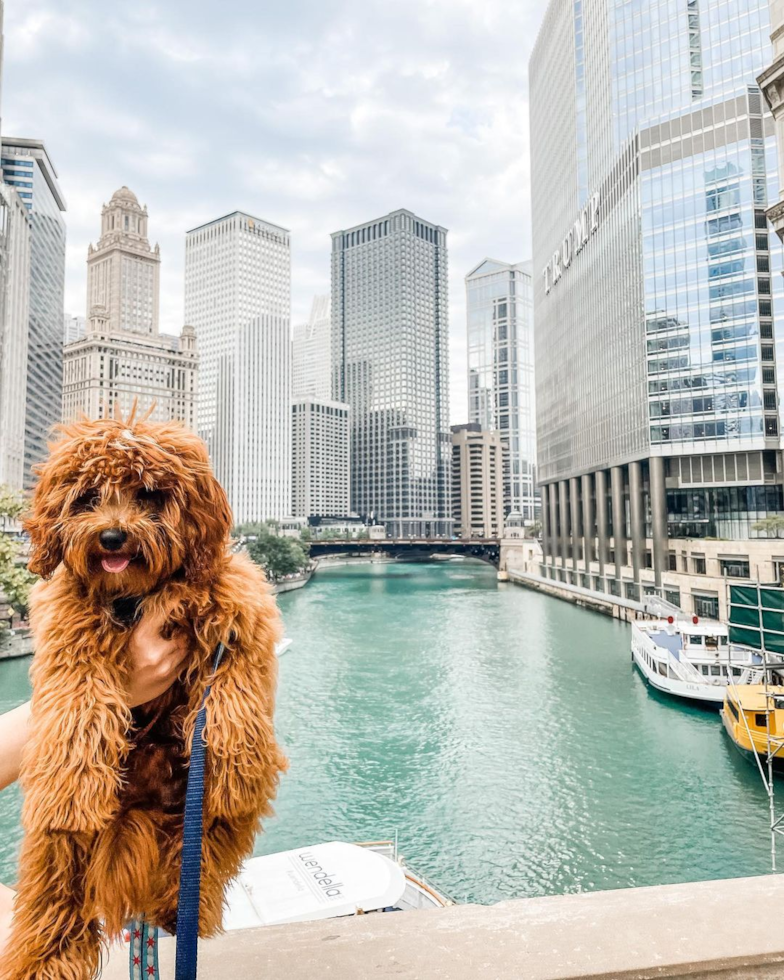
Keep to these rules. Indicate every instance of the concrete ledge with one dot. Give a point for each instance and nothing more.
(725, 929)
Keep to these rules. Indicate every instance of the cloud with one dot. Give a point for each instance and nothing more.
(314, 114)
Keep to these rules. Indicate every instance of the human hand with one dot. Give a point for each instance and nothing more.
(155, 662)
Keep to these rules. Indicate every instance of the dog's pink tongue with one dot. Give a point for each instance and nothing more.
(118, 564)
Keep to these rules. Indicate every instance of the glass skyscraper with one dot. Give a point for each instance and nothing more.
(390, 361)
(499, 307)
(26, 167)
(655, 287)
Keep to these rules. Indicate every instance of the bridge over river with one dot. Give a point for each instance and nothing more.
(410, 549)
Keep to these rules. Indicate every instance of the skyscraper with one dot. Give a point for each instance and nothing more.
(477, 481)
(15, 228)
(658, 420)
(499, 306)
(238, 297)
(74, 327)
(120, 358)
(311, 346)
(27, 167)
(390, 354)
(320, 482)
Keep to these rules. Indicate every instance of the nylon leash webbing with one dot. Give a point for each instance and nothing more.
(190, 867)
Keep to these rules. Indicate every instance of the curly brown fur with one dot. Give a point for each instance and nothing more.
(104, 785)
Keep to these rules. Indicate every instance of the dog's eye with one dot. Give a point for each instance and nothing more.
(154, 499)
(86, 501)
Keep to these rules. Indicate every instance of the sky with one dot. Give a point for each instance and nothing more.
(313, 114)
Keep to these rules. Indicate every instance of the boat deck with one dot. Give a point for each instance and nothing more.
(668, 641)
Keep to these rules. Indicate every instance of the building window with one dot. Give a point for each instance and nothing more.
(698, 564)
(735, 567)
(673, 596)
(672, 562)
(706, 604)
(632, 591)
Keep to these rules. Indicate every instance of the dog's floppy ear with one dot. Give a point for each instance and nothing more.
(42, 522)
(208, 523)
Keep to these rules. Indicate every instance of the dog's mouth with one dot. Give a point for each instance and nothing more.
(114, 564)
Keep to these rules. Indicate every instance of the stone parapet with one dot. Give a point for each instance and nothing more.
(727, 929)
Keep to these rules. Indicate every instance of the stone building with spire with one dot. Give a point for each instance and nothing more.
(123, 357)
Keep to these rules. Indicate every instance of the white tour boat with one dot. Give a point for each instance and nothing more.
(691, 658)
(326, 881)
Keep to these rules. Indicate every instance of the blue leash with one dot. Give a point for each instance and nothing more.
(144, 939)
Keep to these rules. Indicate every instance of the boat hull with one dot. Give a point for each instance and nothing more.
(707, 695)
(750, 754)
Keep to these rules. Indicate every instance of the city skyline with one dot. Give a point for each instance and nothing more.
(363, 157)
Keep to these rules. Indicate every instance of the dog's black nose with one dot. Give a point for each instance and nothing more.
(113, 538)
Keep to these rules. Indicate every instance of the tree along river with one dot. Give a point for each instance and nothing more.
(504, 735)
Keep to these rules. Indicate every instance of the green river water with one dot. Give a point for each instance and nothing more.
(503, 735)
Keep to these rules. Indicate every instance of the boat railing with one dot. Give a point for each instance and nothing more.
(682, 669)
(654, 605)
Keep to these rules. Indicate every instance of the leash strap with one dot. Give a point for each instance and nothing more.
(143, 956)
(190, 868)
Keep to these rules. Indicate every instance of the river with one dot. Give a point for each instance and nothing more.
(503, 734)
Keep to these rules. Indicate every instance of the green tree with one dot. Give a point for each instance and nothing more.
(278, 554)
(15, 580)
(772, 527)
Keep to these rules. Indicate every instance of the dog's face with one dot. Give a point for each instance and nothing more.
(125, 506)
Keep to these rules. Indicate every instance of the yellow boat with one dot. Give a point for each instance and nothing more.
(745, 721)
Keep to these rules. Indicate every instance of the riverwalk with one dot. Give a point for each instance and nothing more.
(728, 930)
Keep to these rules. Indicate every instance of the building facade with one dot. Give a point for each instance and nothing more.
(238, 298)
(478, 481)
(321, 475)
(658, 419)
(121, 359)
(499, 308)
(28, 169)
(311, 353)
(15, 231)
(390, 360)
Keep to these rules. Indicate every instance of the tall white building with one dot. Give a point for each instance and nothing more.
(311, 353)
(390, 349)
(74, 327)
(121, 358)
(499, 307)
(321, 476)
(238, 297)
(27, 168)
(15, 229)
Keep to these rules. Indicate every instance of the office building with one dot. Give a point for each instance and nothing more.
(499, 309)
(74, 328)
(771, 81)
(311, 353)
(15, 233)
(477, 482)
(320, 479)
(390, 350)
(121, 359)
(238, 298)
(28, 169)
(658, 420)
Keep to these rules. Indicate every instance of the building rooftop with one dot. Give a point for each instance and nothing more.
(37, 150)
(243, 214)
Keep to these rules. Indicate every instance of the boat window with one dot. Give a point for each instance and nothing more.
(662, 669)
(705, 669)
(695, 641)
(733, 710)
(759, 720)
(711, 643)
(715, 671)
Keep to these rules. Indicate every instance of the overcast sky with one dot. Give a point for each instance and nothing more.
(313, 114)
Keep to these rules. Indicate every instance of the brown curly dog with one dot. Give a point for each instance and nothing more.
(128, 517)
